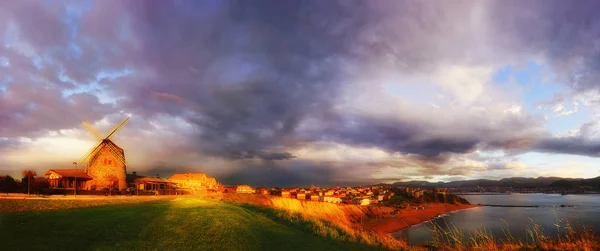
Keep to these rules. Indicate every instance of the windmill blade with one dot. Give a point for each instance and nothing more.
(90, 128)
(115, 150)
(90, 153)
(117, 127)
(117, 153)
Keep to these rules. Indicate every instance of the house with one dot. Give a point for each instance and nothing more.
(330, 199)
(285, 194)
(225, 189)
(194, 181)
(65, 178)
(263, 191)
(244, 189)
(361, 201)
(105, 170)
(158, 185)
(301, 196)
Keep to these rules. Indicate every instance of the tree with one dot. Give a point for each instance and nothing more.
(40, 184)
(28, 175)
(8, 184)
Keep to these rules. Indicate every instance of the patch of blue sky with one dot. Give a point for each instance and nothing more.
(503, 74)
(94, 87)
(4, 62)
(557, 124)
(533, 78)
(4, 82)
(72, 19)
(76, 50)
(539, 90)
(113, 74)
(79, 87)
(532, 73)
(522, 75)
(37, 61)
(91, 88)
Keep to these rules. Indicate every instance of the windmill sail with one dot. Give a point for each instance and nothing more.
(105, 161)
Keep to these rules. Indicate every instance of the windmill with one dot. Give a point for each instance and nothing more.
(105, 161)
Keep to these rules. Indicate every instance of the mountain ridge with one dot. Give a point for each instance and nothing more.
(515, 182)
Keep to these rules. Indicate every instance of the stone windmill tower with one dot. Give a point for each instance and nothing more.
(105, 162)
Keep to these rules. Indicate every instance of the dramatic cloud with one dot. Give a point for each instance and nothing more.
(279, 93)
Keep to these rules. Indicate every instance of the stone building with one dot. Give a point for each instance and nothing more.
(244, 189)
(65, 178)
(104, 165)
(105, 170)
(194, 181)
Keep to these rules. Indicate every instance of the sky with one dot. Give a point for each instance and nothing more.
(293, 93)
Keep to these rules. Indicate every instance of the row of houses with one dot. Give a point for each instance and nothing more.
(189, 183)
(419, 192)
(183, 183)
(363, 195)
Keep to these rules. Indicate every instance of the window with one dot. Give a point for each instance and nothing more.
(105, 161)
(109, 162)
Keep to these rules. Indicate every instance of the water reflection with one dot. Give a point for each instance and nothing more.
(501, 221)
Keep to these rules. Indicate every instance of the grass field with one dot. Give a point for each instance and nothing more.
(179, 224)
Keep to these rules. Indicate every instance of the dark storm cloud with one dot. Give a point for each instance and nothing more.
(291, 175)
(32, 101)
(430, 140)
(248, 74)
(253, 71)
(585, 142)
(258, 79)
(267, 155)
(569, 145)
(565, 33)
(395, 136)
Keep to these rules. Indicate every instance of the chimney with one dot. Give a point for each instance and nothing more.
(134, 173)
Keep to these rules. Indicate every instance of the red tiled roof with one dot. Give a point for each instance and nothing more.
(188, 176)
(151, 180)
(70, 173)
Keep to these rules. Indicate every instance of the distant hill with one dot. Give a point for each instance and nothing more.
(515, 182)
(574, 183)
(442, 198)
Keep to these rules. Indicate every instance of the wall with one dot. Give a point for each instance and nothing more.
(101, 170)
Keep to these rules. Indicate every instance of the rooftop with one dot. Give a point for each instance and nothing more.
(76, 173)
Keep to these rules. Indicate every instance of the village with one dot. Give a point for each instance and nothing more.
(359, 195)
(73, 182)
(103, 171)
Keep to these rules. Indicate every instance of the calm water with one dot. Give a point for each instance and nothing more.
(585, 212)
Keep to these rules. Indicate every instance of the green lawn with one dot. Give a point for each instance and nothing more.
(181, 224)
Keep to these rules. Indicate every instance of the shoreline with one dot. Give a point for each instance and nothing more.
(408, 218)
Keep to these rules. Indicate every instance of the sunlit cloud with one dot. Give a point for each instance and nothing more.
(345, 93)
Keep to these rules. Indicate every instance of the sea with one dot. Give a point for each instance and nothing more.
(550, 211)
